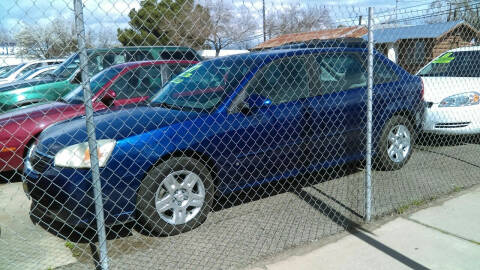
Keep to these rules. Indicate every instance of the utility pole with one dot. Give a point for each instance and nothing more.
(263, 11)
(455, 13)
(477, 19)
(449, 12)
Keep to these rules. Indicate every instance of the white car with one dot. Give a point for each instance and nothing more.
(452, 92)
(23, 68)
(36, 73)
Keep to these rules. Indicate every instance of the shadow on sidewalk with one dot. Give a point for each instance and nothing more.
(355, 228)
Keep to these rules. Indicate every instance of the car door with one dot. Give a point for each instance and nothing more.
(389, 87)
(134, 85)
(267, 142)
(337, 108)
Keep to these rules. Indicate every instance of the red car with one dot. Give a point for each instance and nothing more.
(118, 85)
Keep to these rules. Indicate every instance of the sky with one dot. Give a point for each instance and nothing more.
(108, 15)
(15, 12)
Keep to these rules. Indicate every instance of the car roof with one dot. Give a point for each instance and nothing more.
(133, 48)
(270, 55)
(324, 43)
(465, 49)
(153, 62)
(45, 61)
(45, 67)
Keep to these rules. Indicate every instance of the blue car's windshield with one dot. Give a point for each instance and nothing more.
(203, 86)
(454, 64)
(6, 69)
(10, 72)
(96, 83)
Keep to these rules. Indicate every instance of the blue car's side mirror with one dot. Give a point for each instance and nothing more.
(255, 101)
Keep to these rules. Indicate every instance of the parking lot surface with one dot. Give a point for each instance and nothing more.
(253, 225)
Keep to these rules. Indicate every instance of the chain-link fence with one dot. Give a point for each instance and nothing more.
(226, 131)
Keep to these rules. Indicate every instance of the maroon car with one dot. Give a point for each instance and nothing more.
(118, 85)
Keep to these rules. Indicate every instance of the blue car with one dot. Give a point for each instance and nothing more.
(221, 126)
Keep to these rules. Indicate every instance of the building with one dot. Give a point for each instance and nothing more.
(412, 47)
(341, 32)
(9, 54)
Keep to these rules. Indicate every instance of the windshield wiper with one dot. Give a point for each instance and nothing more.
(165, 105)
(161, 104)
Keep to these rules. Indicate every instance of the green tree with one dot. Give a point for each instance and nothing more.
(167, 22)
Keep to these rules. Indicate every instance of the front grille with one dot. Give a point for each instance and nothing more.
(40, 163)
(452, 125)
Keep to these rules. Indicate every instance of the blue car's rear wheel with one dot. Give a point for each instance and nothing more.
(395, 145)
(174, 197)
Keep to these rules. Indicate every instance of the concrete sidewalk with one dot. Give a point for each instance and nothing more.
(446, 236)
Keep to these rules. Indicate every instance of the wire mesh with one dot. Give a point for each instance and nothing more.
(217, 149)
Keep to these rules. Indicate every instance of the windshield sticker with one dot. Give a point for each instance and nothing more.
(186, 74)
(444, 59)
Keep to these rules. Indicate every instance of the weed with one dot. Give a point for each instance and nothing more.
(71, 246)
(457, 189)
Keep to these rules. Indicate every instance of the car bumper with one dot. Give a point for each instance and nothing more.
(452, 120)
(66, 195)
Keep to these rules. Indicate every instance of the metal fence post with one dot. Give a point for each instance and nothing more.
(368, 171)
(92, 141)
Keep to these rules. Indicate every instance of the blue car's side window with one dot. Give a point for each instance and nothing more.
(281, 81)
(382, 73)
(338, 72)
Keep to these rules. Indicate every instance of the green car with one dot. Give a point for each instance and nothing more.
(67, 76)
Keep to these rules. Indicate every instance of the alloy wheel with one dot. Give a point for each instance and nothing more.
(180, 197)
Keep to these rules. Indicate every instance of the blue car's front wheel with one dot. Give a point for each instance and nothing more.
(175, 196)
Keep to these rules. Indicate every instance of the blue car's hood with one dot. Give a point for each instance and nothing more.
(117, 123)
(23, 84)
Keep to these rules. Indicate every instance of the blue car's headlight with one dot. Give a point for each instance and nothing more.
(464, 99)
(78, 155)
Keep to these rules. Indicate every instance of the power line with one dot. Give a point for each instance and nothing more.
(403, 11)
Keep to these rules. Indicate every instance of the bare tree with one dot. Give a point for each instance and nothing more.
(453, 10)
(103, 37)
(229, 25)
(4, 35)
(295, 19)
(54, 40)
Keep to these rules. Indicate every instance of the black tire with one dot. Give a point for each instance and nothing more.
(149, 220)
(382, 160)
